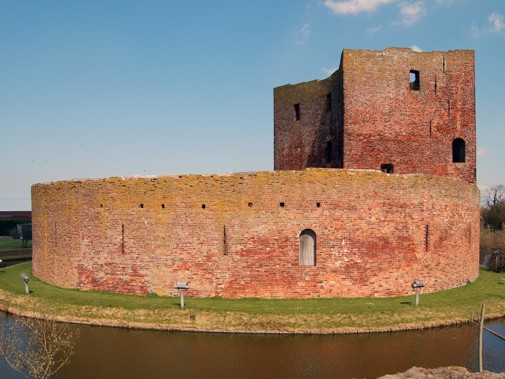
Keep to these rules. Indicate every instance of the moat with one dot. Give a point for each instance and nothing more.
(122, 353)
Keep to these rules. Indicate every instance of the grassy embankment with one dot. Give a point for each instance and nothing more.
(8, 243)
(12, 249)
(253, 315)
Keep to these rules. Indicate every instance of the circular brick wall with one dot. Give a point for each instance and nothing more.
(238, 235)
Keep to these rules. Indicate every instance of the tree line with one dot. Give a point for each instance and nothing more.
(492, 230)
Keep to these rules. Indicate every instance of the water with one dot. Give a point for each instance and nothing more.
(121, 353)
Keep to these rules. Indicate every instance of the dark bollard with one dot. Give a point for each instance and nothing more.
(26, 279)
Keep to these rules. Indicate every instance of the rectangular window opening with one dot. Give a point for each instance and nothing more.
(387, 168)
(281, 204)
(328, 102)
(414, 80)
(297, 112)
(249, 205)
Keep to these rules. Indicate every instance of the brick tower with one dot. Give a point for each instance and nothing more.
(395, 110)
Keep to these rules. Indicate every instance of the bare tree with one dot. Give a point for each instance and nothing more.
(36, 348)
(27, 233)
(495, 195)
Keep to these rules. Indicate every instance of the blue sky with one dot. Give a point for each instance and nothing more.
(102, 88)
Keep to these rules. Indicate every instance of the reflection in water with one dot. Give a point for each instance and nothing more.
(122, 353)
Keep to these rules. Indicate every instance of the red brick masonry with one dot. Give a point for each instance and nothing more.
(367, 114)
(408, 113)
(229, 235)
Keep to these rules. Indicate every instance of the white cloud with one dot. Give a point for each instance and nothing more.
(496, 25)
(496, 21)
(445, 2)
(412, 12)
(329, 71)
(475, 30)
(355, 6)
(416, 48)
(304, 34)
(373, 30)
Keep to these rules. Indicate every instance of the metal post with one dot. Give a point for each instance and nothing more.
(182, 299)
(416, 286)
(181, 286)
(26, 279)
(481, 326)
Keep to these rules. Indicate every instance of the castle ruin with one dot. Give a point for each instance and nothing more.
(374, 186)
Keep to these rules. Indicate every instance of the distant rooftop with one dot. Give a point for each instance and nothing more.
(15, 215)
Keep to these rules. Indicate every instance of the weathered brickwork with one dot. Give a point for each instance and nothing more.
(383, 120)
(229, 235)
(302, 140)
(340, 229)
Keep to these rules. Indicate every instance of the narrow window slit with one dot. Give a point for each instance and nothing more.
(122, 239)
(426, 236)
(281, 204)
(328, 152)
(297, 112)
(55, 236)
(225, 252)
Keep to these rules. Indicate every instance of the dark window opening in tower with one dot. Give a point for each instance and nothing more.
(458, 150)
(414, 80)
(328, 152)
(328, 102)
(387, 168)
(297, 112)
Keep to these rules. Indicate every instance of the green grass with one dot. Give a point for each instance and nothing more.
(8, 243)
(454, 305)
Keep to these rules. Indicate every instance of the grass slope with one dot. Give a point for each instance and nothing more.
(8, 243)
(252, 314)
